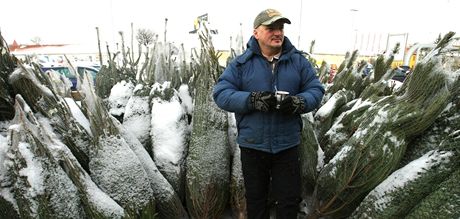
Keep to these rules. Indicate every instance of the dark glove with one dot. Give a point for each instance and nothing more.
(292, 105)
(263, 101)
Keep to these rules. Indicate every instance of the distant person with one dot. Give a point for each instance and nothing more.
(269, 131)
(368, 69)
(332, 73)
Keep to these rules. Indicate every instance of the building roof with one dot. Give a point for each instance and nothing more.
(51, 49)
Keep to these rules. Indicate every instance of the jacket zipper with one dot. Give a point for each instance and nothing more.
(274, 68)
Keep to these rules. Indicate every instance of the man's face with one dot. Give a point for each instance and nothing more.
(271, 36)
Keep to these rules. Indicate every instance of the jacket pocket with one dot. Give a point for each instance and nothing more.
(288, 130)
(251, 129)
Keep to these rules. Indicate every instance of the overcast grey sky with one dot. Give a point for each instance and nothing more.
(336, 25)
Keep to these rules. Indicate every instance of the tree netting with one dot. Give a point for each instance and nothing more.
(207, 191)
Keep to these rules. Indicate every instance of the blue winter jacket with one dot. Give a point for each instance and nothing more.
(267, 131)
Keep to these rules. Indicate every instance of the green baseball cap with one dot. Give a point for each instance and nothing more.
(269, 16)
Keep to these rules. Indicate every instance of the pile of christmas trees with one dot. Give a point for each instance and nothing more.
(147, 141)
(390, 152)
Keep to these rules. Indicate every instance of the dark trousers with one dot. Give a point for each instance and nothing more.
(280, 171)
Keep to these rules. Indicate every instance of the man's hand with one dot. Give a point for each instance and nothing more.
(263, 101)
(292, 105)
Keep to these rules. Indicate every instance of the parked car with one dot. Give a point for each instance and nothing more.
(63, 70)
(401, 73)
(90, 69)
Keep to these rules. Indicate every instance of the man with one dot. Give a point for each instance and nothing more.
(269, 132)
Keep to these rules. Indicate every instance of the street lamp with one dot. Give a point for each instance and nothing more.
(353, 28)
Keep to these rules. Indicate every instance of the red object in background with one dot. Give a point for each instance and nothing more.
(332, 73)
